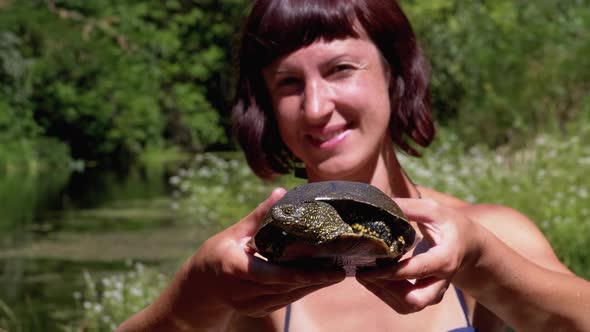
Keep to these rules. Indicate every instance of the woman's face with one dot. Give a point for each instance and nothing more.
(332, 105)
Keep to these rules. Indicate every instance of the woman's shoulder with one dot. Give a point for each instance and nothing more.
(442, 198)
(509, 225)
(492, 216)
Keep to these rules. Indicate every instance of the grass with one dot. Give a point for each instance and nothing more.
(106, 302)
(546, 180)
(220, 189)
(33, 156)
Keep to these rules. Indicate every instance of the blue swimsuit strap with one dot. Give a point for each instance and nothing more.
(468, 328)
(463, 305)
(287, 317)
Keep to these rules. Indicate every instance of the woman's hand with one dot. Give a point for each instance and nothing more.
(245, 283)
(448, 246)
(224, 278)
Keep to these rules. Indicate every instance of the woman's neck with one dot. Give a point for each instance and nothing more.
(384, 172)
(390, 177)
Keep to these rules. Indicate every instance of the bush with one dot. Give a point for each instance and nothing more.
(112, 79)
(505, 70)
(546, 180)
(107, 302)
(217, 190)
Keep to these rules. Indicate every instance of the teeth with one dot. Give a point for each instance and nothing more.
(327, 137)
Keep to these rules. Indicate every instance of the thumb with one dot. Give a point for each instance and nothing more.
(249, 225)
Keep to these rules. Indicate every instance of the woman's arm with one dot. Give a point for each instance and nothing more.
(224, 278)
(510, 269)
(519, 278)
(183, 306)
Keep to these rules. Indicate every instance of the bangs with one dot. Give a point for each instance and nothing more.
(287, 25)
(276, 28)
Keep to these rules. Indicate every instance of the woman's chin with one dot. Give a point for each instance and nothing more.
(334, 169)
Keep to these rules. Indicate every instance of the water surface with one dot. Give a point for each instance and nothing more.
(55, 226)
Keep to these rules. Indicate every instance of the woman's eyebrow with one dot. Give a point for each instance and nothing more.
(342, 57)
(282, 70)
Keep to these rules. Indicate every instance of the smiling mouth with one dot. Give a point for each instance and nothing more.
(327, 137)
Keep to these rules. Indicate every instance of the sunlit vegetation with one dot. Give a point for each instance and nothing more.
(546, 180)
(111, 84)
(108, 301)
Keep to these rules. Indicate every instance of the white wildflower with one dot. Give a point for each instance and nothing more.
(174, 180)
(137, 292)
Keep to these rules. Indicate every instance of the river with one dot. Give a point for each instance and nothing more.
(56, 225)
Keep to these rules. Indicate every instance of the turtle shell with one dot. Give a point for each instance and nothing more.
(334, 223)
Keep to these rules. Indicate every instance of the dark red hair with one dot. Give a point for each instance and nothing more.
(276, 28)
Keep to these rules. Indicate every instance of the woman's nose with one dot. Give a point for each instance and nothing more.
(317, 100)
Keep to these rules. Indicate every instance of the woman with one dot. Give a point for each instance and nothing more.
(338, 85)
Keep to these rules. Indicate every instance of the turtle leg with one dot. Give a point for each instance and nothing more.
(376, 228)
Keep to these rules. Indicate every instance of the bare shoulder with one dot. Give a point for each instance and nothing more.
(442, 198)
(516, 230)
(509, 225)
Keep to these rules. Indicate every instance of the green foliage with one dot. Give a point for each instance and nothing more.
(113, 78)
(546, 180)
(16, 114)
(505, 70)
(217, 190)
(33, 155)
(107, 302)
(8, 318)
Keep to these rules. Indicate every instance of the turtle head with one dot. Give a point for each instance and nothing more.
(315, 221)
(286, 213)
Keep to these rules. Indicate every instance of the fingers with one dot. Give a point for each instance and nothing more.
(385, 292)
(255, 287)
(250, 224)
(265, 304)
(433, 263)
(405, 297)
(239, 264)
(268, 273)
(252, 289)
(419, 210)
(444, 230)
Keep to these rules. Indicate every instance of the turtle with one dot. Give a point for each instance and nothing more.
(343, 224)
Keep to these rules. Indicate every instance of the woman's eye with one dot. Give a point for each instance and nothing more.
(287, 81)
(287, 85)
(342, 69)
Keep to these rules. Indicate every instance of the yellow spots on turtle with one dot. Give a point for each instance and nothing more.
(361, 229)
(401, 240)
